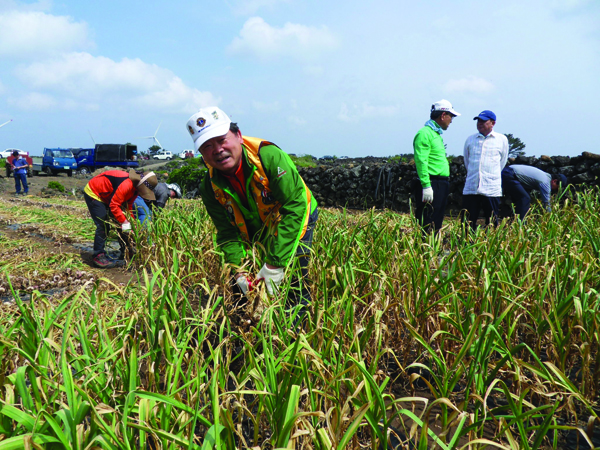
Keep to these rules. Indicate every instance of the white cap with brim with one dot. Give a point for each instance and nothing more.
(444, 105)
(206, 124)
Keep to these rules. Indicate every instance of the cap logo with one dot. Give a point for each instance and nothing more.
(191, 130)
(200, 122)
(215, 115)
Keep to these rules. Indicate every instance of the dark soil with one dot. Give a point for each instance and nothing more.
(38, 187)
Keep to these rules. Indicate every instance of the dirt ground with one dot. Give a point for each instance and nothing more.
(37, 191)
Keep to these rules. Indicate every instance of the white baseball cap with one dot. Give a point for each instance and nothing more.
(206, 124)
(444, 105)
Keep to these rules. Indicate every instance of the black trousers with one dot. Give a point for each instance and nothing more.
(431, 215)
(473, 204)
(519, 195)
(298, 292)
(101, 216)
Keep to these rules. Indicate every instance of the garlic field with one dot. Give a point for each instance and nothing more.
(487, 340)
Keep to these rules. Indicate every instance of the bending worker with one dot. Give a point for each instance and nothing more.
(144, 210)
(106, 195)
(254, 193)
(519, 180)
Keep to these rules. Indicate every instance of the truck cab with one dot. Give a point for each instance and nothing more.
(85, 160)
(55, 161)
(106, 155)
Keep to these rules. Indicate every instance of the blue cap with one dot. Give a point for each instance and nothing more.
(486, 115)
(563, 180)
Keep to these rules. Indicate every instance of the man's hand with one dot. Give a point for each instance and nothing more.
(242, 283)
(272, 276)
(126, 227)
(427, 194)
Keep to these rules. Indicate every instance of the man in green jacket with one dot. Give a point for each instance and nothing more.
(432, 167)
(254, 193)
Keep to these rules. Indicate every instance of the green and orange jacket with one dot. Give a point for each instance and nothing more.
(279, 205)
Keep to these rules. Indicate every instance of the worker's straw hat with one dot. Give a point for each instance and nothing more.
(144, 183)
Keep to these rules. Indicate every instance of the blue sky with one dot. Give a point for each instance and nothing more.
(345, 78)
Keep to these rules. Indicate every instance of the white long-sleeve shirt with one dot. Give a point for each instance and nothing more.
(485, 157)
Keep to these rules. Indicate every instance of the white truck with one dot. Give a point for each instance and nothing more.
(163, 154)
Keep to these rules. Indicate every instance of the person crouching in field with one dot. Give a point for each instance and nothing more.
(519, 180)
(144, 210)
(106, 195)
(254, 193)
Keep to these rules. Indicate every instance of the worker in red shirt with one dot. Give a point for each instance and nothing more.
(106, 196)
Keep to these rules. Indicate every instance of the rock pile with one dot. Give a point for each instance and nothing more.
(378, 183)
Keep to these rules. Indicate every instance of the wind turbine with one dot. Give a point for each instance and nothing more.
(5, 123)
(154, 137)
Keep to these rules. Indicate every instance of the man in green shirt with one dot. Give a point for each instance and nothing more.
(432, 167)
(254, 193)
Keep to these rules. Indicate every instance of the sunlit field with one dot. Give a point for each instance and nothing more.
(488, 340)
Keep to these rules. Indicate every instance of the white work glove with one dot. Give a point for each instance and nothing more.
(126, 227)
(242, 283)
(427, 194)
(271, 277)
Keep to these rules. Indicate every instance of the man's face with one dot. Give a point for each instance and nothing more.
(485, 127)
(554, 185)
(223, 152)
(445, 120)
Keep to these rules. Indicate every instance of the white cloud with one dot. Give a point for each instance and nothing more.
(470, 84)
(247, 7)
(128, 82)
(265, 107)
(34, 101)
(355, 113)
(296, 121)
(175, 96)
(264, 41)
(40, 5)
(33, 34)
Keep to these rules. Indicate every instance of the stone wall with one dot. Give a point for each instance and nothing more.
(373, 182)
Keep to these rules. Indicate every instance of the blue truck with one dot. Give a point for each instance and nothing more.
(54, 161)
(122, 156)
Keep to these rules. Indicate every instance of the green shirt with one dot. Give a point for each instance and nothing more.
(286, 187)
(430, 155)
